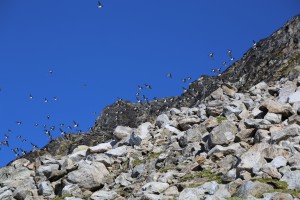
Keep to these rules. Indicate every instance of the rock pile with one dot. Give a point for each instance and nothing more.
(231, 146)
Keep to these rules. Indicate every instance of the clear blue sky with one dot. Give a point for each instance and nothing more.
(98, 55)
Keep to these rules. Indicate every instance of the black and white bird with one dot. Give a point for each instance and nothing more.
(46, 100)
(50, 71)
(100, 5)
(148, 86)
(75, 124)
(254, 44)
(63, 133)
(211, 55)
(55, 98)
(30, 96)
(36, 125)
(169, 75)
(140, 87)
(19, 123)
(224, 63)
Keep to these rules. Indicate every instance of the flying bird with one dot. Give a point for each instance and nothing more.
(169, 75)
(99, 5)
(211, 55)
(30, 96)
(50, 71)
(46, 100)
(19, 123)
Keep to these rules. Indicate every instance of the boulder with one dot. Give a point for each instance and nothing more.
(155, 187)
(105, 195)
(224, 133)
(292, 178)
(252, 188)
(100, 148)
(88, 175)
(122, 132)
(289, 131)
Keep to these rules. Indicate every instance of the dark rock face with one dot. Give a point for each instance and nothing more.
(272, 58)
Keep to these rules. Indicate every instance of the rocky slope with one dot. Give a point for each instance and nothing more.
(236, 135)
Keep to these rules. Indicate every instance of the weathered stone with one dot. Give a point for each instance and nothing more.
(289, 131)
(47, 169)
(162, 120)
(122, 132)
(235, 107)
(224, 133)
(72, 189)
(214, 108)
(45, 188)
(185, 123)
(292, 178)
(235, 149)
(117, 152)
(88, 175)
(258, 123)
(273, 118)
(100, 148)
(275, 107)
(252, 188)
(155, 187)
(279, 161)
(217, 94)
(229, 90)
(138, 171)
(122, 180)
(286, 91)
(277, 196)
(105, 195)
(191, 194)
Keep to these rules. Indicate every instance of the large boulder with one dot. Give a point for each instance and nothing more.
(89, 175)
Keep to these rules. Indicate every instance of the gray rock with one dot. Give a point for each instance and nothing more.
(195, 133)
(5, 193)
(277, 196)
(252, 188)
(229, 176)
(122, 132)
(191, 194)
(289, 131)
(292, 178)
(100, 148)
(253, 157)
(257, 113)
(88, 175)
(234, 149)
(117, 152)
(210, 187)
(104, 195)
(162, 120)
(294, 161)
(271, 171)
(45, 189)
(78, 156)
(72, 189)
(224, 133)
(275, 107)
(101, 157)
(235, 107)
(273, 118)
(258, 123)
(138, 171)
(214, 108)
(186, 122)
(229, 90)
(294, 97)
(134, 140)
(122, 180)
(286, 91)
(143, 130)
(217, 94)
(279, 161)
(155, 187)
(172, 191)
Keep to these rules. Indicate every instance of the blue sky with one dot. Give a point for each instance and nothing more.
(98, 55)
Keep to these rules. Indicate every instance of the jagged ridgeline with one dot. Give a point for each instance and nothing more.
(234, 136)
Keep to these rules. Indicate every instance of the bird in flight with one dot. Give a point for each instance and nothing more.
(100, 5)
(50, 71)
(169, 75)
(211, 55)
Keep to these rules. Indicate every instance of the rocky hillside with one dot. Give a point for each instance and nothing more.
(236, 136)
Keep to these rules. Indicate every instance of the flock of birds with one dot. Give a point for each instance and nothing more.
(139, 96)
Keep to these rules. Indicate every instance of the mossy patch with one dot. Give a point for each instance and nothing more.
(277, 184)
(220, 119)
(205, 174)
(167, 168)
(136, 162)
(153, 155)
